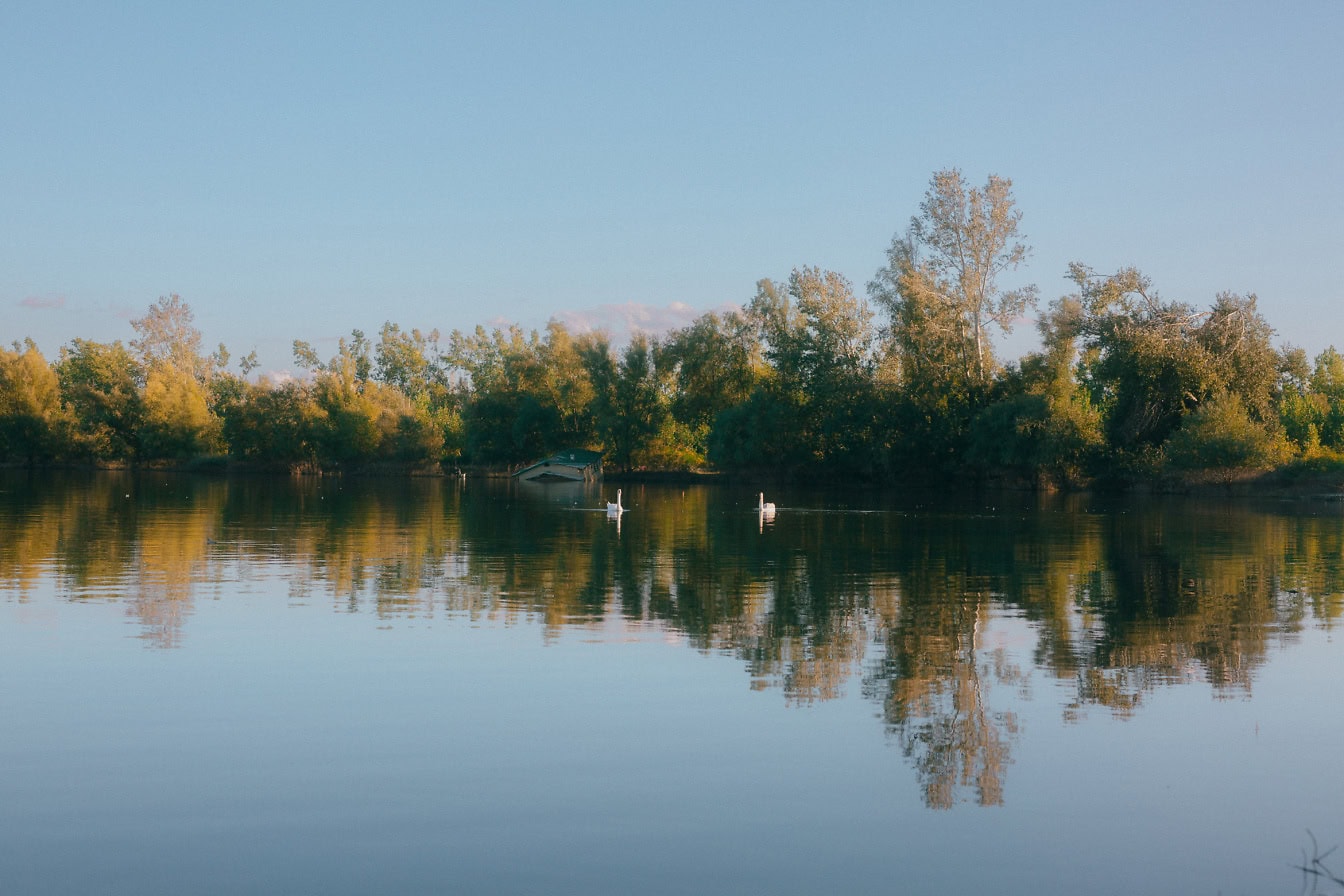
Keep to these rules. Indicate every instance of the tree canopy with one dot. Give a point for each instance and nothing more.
(804, 376)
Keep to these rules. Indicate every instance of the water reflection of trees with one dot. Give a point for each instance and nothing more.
(1119, 600)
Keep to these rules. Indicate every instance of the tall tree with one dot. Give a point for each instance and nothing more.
(830, 362)
(830, 341)
(941, 282)
(813, 401)
(413, 364)
(1150, 362)
(558, 383)
(528, 394)
(711, 366)
(1327, 396)
(360, 419)
(272, 422)
(629, 405)
(1042, 423)
(167, 335)
(102, 384)
(178, 420)
(1240, 342)
(410, 361)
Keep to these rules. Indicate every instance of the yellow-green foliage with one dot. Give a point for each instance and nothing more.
(33, 422)
(407, 430)
(674, 447)
(101, 383)
(1220, 434)
(177, 422)
(350, 425)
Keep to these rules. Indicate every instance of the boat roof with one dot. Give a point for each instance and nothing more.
(579, 458)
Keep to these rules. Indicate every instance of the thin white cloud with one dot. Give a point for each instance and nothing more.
(43, 302)
(623, 320)
(281, 377)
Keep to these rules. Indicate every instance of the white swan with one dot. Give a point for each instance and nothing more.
(615, 509)
(764, 507)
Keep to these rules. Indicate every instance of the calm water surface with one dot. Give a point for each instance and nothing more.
(353, 686)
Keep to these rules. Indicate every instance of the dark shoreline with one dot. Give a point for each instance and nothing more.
(1286, 482)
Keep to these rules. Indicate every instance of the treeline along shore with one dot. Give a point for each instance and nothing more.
(808, 378)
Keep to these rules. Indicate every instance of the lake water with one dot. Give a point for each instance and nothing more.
(274, 685)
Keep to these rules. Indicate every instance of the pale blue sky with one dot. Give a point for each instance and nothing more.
(294, 171)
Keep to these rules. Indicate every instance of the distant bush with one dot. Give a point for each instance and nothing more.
(1323, 463)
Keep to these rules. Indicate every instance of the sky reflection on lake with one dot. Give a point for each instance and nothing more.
(336, 686)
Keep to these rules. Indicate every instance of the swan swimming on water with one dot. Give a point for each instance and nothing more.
(764, 507)
(615, 509)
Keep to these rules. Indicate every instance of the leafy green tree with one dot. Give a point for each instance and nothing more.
(272, 422)
(493, 404)
(709, 366)
(1042, 423)
(305, 356)
(1149, 363)
(940, 293)
(559, 382)
(1327, 378)
(33, 423)
(102, 385)
(1010, 434)
(229, 398)
(167, 336)
(940, 284)
(528, 395)
(832, 357)
(1222, 434)
(409, 361)
(349, 430)
(1303, 415)
(1327, 387)
(228, 393)
(1294, 369)
(629, 403)
(760, 434)
(713, 364)
(407, 430)
(1239, 343)
(1299, 412)
(178, 421)
(415, 433)
(1138, 364)
(359, 418)
(413, 364)
(830, 343)
(814, 401)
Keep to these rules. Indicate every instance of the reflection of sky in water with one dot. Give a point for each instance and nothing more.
(353, 732)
